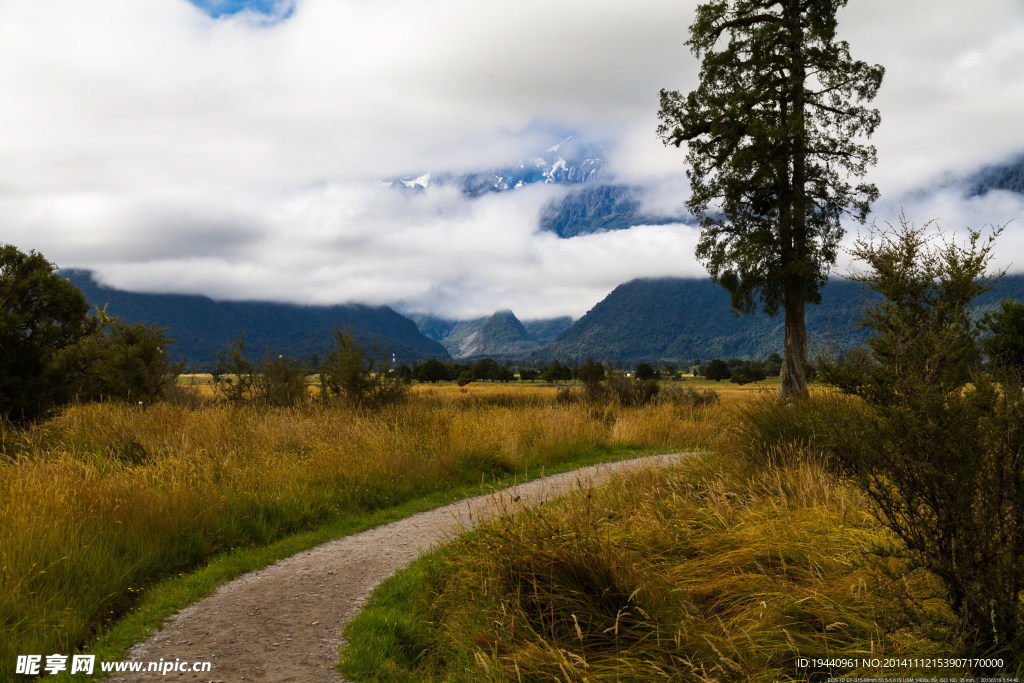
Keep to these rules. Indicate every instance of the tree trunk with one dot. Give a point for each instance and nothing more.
(793, 383)
(795, 243)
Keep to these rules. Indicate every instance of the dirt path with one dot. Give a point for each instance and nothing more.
(283, 623)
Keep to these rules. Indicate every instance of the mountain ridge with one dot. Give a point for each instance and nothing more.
(202, 327)
(678, 320)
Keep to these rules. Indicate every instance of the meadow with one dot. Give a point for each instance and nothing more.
(754, 561)
(104, 505)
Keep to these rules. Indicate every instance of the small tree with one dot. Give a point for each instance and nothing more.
(357, 376)
(644, 371)
(717, 370)
(121, 361)
(237, 374)
(432, 371)
(556, 372)
(42, 317)
(940, 451)
(486, 368)
(280, 381)
(591, 372)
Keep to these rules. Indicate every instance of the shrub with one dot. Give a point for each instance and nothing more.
(717, 370)
(644, 371)
(281, 381)
(629, 392)
(234, 377)
(741, 377)
(940, 452)
(121, 361)
(688, 396)
(350, 372)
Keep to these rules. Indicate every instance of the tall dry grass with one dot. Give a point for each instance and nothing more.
(103, 500)
(731, 567)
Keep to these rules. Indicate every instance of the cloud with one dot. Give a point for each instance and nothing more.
(237, 157)
(951, 210)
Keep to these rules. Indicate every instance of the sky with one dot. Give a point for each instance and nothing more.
(235, 149)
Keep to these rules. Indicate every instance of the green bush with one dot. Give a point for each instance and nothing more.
(281, 381)
(941, 451)
(350, 372)
(717, 370)
(123, 362)
(235, 375)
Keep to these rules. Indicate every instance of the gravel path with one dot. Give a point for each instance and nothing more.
(283, 623)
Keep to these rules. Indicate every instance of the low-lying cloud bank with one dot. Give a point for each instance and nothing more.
(237, 157)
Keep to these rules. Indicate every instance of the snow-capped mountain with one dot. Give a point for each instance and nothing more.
(592, 202)
(570, 162)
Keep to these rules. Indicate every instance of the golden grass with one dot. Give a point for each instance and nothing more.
(722, 569)
(103, 500)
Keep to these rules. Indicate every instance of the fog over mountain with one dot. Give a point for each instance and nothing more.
(323, 152)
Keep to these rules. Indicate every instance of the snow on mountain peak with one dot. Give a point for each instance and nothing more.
(422, 181)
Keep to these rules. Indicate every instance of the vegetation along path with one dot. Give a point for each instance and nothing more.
(283, 623)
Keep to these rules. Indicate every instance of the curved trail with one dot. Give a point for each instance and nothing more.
(284, 622)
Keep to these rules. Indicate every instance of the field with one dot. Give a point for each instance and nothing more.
(754, 562)
(105, 505)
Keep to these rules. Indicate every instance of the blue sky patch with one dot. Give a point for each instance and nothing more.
(274, 10)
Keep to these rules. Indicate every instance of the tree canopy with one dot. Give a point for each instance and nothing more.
(42, 316)
(772, 133)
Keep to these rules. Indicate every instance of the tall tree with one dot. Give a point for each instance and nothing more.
(42, 317)
(772, 134)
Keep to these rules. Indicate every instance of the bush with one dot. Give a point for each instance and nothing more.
(940, 452)
(122, 362)
(350, 372)
(281, 381)
(717, 370)
(234, 376)
(620, 389)
(688, 396)
(644, 371)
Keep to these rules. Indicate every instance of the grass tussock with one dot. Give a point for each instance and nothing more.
(102, 501)
(727, 568)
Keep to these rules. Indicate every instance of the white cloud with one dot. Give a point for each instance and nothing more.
(237, 158)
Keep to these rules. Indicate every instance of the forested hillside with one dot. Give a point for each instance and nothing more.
(201, 327)
(678, 320)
